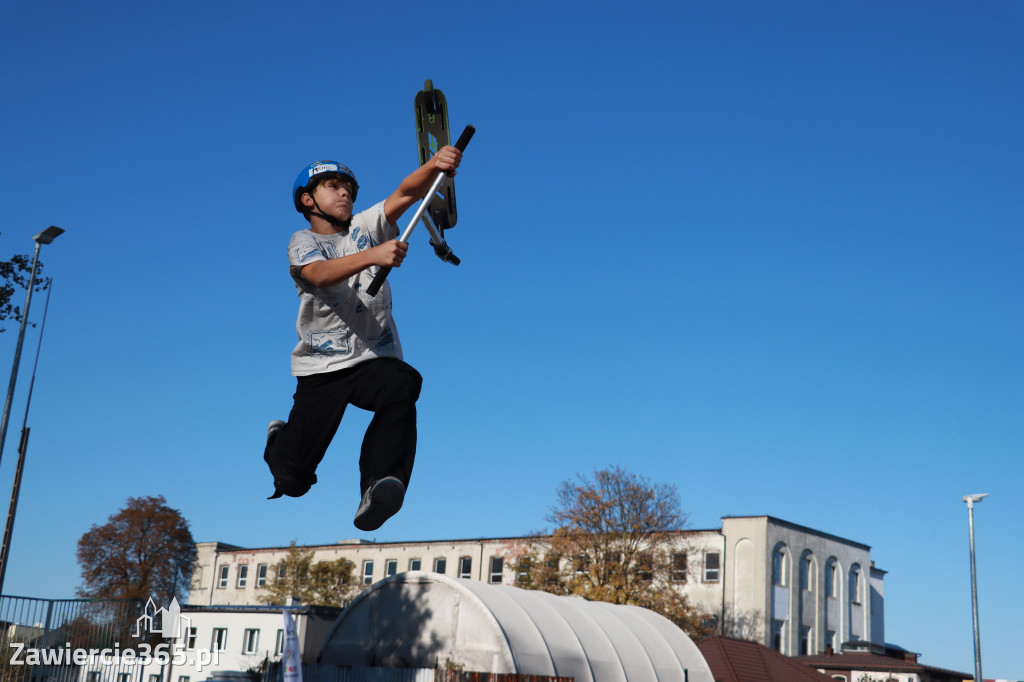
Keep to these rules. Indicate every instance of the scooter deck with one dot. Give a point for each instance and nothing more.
(431, 134)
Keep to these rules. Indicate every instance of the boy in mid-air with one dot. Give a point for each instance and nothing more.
(349, 352)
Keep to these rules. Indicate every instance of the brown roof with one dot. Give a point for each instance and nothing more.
(859, 661)
(736, 660)
(877, 663)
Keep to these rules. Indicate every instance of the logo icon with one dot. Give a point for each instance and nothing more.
(166, 622)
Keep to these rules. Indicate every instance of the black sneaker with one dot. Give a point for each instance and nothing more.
(381, 501)
(273, 428)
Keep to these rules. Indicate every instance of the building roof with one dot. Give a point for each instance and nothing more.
(803, 529)
(868, 661)
(310, 609)
(737, 660)
(859, 661)
(359, 542)
(422, 620)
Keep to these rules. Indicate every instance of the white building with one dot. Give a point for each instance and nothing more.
(798, 590)
(210, 641)
(795, 589)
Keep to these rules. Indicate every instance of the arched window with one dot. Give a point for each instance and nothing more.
(780, 566)
(855, 584)
(807, 571)
(832, 578)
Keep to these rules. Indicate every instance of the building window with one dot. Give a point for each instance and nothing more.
(777, 628)
(830, 638)
(282, 571)
(855, 584)
(806, 577)
(805, 641)
(678, 574)
(497, 569)
(190, 638)
(465, 567)
(523, 566)
(122, 677)
(644, 567)
(220, 639)
(279, 643)
(251, 641)
(184, 678)
(831, 588)
(92, 677)
(390, 567)
(223, 582)
(155, 677)
(582, 564)
(414, 564)
(367, 572)
(779, 568)
(261, 575)
(712, 567)
(440, 565)
(243, 574)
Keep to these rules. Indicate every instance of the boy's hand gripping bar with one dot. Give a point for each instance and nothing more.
(436, 239)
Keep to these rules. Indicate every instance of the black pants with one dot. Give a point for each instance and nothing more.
(388, 387)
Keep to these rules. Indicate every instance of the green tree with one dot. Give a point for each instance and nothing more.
(144, 550)
(321, 583)
(613, 541)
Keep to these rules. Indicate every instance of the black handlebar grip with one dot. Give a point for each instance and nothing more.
(378, 280)
(464, 138)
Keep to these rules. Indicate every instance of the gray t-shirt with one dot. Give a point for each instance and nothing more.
(340, 326)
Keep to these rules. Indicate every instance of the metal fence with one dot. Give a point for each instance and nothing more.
(48, 640)
(85, 640)
(323, 672)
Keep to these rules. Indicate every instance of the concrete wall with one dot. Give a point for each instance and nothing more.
(768, 599)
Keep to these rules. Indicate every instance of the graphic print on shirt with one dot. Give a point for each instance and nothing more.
(327, 249)
(386, 340)
(305, 252)
(363, 242)
(328, 342)
(304, 255)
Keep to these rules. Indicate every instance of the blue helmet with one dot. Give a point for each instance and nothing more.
(318, 170)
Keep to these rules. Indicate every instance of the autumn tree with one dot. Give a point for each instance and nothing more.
(613, 540)
(144, 550)
(320, 583)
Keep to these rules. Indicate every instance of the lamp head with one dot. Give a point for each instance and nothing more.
(971, 499)
(49, 234)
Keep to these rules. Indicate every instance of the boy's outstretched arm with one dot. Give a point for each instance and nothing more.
(416, 184)
(325, 273)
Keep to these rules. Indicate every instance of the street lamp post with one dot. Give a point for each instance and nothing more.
(44, 237)
(970, 500)
(5, 548)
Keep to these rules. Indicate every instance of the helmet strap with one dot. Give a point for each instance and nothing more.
(319, 213)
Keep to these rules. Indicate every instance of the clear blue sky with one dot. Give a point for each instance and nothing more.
(769, 252)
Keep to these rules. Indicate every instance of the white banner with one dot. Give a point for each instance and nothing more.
(292, 654)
